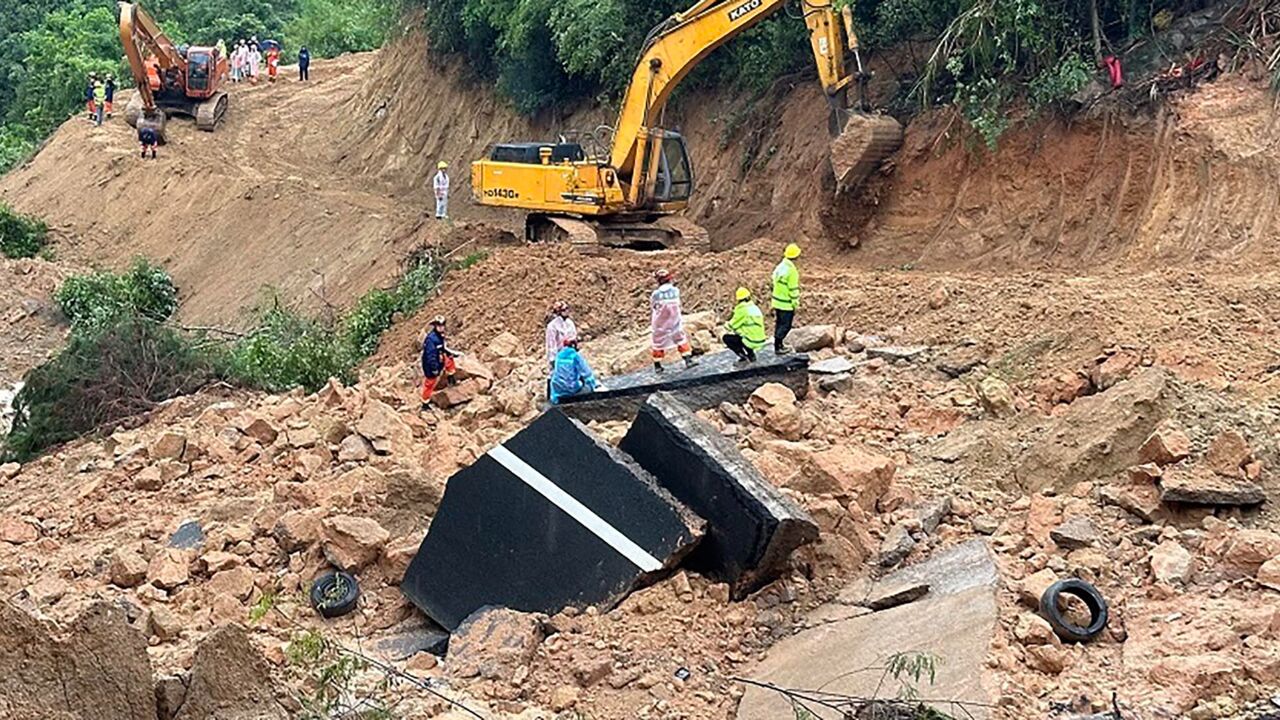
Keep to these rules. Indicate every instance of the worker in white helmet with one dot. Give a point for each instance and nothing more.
(441, 186)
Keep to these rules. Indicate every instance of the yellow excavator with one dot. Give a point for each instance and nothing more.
(631, 197)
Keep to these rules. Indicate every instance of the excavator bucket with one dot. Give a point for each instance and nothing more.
(861, 146)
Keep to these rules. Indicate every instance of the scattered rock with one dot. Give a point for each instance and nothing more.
(771, 395)
(354, 448)
(1228, 453)
(351, 542)
(997, 397)
(835, 383)
(298, 529)
(1048, 659)
(897, 544)
(493, 643)
(812, 337)
(1168, 444)
(846, 473)
(1170, 563)
(962, 361)
(832, 366)
(262, 431)
(1077, 532)
(460, 393)
(17, 531)
(1249, 549)
(9, 471)
(897, 353)
(1032, 629)
(1115, 368)
(170, 692)
(564, 697)
(383, 427)
(1198, 485)
(984, 524)
(128, 568)
(169, 446)
(1269, 573)
(164, 624)
(169, 569)
(1031, 588)
(235, 582)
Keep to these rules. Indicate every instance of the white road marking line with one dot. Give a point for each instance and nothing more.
(576, 510)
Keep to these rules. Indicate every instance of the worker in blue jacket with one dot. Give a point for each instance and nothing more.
(571, 374)
(437, 361)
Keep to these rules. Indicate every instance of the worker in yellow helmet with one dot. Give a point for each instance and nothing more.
(441, 187)
(745, 330)
(786, 296)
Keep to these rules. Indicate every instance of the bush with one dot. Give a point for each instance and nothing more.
(21, 236)
(118, 370)
(98, 299)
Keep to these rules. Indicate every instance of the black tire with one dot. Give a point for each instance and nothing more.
(1092, 599)
(335, 594)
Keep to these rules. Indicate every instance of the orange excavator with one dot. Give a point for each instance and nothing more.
(170, 80)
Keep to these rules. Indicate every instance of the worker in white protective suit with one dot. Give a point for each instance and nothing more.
(667, 325)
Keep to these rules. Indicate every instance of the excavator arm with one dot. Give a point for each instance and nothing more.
(675, 47)
(140, 33)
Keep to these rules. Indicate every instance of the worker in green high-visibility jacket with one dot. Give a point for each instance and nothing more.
(746, 328)
(786, 296)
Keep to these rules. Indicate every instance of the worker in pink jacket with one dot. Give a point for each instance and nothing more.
(667, 324)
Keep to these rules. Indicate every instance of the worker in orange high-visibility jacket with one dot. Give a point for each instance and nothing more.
(152, 67)
(666, 322)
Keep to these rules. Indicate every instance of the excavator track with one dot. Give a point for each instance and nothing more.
(210, 112)
(592, 236)
(860, 148)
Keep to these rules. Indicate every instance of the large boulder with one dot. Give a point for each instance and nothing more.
(1098, 436)
(351, 543)
(493, 643)
(812, 337)
(230, 680)
(98, 669)
(847, 473)
(383, 427)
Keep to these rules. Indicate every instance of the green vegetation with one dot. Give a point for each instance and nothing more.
(124, 356)
(988, 56)
(48, 47)
(21, 236)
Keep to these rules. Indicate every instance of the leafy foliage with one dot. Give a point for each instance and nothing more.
(104, 375)
(48, 47)
(101, 298)
(21, 236)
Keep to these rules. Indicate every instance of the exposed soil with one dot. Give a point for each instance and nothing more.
(1075, 259)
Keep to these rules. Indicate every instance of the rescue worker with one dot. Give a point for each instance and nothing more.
(254, 60)
(99, 100)
(148, 139)
(221, 47)
(88, 96)
(570, 374)
(110, 91)
(304, 64)
(746, 328)
(273, 63)
(786, 296)
(667, 323)
(437, 361)
(560, 327)
(441, 187)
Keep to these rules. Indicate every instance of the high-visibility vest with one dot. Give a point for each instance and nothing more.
(748, 323)
(786, 286)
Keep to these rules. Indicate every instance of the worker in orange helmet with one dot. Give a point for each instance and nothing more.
(437, 361)
(666, 323)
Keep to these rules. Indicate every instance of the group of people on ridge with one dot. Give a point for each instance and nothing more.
(249, 56)
(571, 374)
(99, 95)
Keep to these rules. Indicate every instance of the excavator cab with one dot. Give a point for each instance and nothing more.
(200, 71)
(675, 171)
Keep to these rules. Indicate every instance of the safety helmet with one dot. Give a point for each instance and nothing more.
(442, 164)
(438, 320)
(662, 275)
(742, 294)
(792, 252)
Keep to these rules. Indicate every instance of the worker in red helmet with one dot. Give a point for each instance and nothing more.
(667, 324)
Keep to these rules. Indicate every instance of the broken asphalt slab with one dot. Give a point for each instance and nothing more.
(752, 528)
(954, 621)
(551, 518)
(716, 378)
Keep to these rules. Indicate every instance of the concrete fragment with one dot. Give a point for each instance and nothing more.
(717, 378)
(897, 544)
(551, 518)
(1078, 531)
(751, 527)
(832, 366)
(955, 621)
(1197, 485)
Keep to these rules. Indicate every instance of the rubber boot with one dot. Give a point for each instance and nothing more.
(657, 366)
(689, 361)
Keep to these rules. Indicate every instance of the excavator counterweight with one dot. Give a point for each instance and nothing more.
(631, 196)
